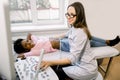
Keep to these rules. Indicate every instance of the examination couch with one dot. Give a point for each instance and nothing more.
(98, 52)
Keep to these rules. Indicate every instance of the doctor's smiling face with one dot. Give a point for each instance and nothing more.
(71, 15)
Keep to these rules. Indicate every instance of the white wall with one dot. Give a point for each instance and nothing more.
(6, 58)
(103, 17)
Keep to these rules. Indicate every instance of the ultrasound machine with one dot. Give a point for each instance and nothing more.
(26, 69)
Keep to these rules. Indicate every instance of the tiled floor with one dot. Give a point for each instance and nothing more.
(114, 70)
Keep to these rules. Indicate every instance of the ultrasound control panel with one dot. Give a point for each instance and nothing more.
(26, 70)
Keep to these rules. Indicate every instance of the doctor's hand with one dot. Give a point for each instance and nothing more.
(45, 64)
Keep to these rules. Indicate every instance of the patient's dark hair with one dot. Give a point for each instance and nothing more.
(18, 48)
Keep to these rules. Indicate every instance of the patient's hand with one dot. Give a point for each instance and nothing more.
(22, 56)
(29, 36)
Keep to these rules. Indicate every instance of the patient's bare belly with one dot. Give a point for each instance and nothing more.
(55, 44)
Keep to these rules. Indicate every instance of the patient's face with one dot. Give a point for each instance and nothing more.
(28, 44)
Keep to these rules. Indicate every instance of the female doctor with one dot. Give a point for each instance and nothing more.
(80, 63)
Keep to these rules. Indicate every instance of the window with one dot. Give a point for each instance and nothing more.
(37, 11)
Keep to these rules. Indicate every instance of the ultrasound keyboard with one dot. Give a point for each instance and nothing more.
(26, 70)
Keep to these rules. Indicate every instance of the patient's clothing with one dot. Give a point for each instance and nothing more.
(64, 45)
(97, 42)
(40, 43)
(94, 42)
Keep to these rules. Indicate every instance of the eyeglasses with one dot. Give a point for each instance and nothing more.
(70, 15)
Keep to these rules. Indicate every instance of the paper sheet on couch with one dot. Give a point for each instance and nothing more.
(98, 52)
(106, 51)
(55, 55)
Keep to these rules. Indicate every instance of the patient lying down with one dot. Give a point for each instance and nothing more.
(32, 45)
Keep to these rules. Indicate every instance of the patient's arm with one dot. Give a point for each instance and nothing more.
(29, 36)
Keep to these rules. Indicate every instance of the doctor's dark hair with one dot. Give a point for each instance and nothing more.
(18, 48)
(80, 18)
